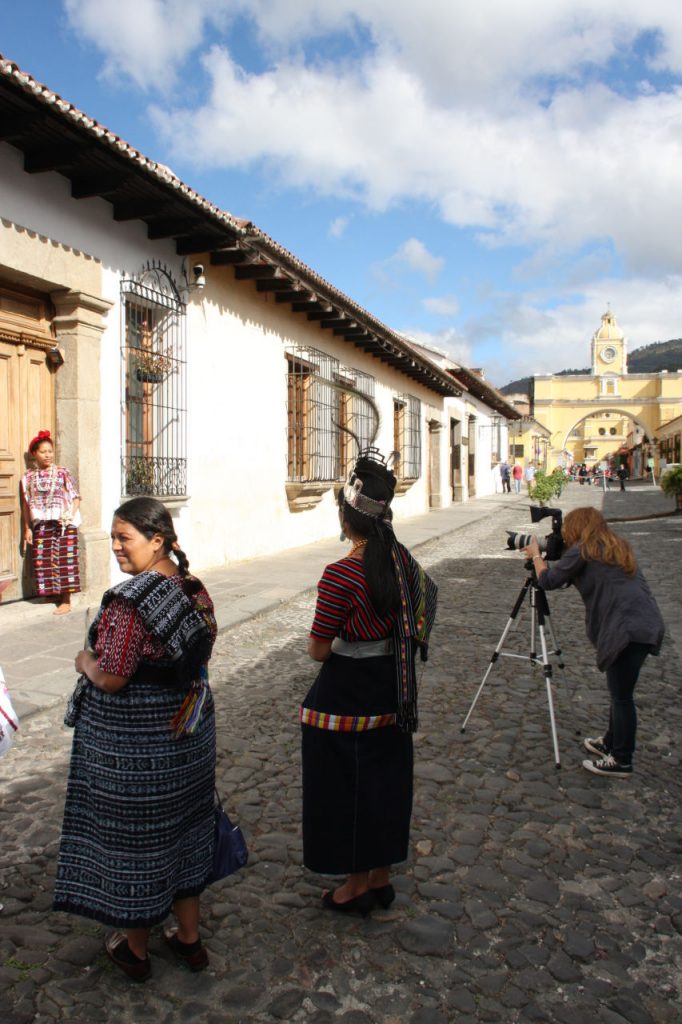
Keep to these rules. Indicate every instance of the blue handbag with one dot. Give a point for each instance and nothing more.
(230, 852)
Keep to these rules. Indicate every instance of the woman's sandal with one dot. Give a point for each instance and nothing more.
(384, 895)
(192, 954)
(120, 954)
(362, 904)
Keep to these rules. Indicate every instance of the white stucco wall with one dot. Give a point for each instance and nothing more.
(236, 339)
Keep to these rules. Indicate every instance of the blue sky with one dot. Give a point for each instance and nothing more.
(483, 177)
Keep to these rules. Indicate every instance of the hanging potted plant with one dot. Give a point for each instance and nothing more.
(671, 484)
(139, 476)
(152, 367)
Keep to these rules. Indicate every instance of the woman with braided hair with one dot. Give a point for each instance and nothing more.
(375, 609)
(137, 838)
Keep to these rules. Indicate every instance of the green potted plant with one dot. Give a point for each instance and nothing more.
(671, 484)
(139, 476)
(547, 486)
(152, 367)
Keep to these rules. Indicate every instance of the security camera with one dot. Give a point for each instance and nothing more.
(199, 277)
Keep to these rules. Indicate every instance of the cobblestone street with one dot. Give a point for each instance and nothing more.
(531, 894)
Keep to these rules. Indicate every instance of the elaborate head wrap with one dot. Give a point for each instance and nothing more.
(418, 592)
(370, 462)
(42, 435)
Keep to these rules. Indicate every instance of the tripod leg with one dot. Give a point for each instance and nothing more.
(496, 653)
(556, 649)
(547, 669)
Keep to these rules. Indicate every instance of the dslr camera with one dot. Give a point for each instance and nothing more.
(552, 545)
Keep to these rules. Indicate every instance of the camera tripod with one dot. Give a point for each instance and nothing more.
(539, 620)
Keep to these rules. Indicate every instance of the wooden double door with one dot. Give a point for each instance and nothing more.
(27, 405)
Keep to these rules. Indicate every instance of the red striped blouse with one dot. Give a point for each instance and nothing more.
(344, 607)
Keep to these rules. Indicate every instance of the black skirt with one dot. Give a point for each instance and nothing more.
(357, 786)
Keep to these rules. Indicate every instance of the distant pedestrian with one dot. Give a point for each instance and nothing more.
(623, 623)
(375, 608)
(50, 509)
(530, 477)
(622, 474)
(504, 477)
(517, 474)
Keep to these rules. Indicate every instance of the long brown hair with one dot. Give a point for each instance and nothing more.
(598, 543)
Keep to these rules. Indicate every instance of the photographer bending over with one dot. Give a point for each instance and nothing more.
(622, 619)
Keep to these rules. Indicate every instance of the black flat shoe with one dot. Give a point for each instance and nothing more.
(120, 953)
(193, 955)
(362, 904)
(384, 895)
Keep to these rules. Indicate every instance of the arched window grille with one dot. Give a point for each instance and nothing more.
(153, 385)
(407, 435)
(317, 410)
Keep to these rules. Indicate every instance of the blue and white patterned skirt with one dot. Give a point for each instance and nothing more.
(138, 820)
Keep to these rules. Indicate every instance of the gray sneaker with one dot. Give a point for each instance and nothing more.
(596, 746)
(608, 766)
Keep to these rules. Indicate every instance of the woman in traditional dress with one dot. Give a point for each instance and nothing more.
(49, 503)
(375, 608)
(137, 839)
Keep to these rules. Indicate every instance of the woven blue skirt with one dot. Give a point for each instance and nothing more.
(138, 819)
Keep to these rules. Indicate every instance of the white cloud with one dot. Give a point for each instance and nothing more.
(546, 340)
(145, 40)
(414, 255)
(450, 341)
(588, 163)
(338, 227)
(444, 305)
(498, 117)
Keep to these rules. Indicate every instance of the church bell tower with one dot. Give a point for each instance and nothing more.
(609, 351)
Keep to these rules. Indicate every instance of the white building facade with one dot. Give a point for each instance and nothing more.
(177, 351)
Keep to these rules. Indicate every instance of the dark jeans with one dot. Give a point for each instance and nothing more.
(621, 678)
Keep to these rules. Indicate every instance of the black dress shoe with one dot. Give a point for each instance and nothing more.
(362, 904)
(384, 895)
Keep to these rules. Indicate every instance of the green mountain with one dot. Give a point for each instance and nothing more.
(660, 355)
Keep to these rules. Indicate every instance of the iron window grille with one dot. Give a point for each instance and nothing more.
(318, 410)
(153, 385)
(407, 436)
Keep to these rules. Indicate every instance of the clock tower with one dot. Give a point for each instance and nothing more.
(609, 352)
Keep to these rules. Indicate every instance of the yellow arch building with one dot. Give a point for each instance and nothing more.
(607, 414)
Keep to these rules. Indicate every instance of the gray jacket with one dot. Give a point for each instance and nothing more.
(619, 609)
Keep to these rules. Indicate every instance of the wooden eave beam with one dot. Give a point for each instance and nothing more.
(172, 227)
(229, 256)
(201, 242)
(296, 296)
(320, 314)
(352, 332)
(90, 186)
(278, 281)
(136, 209)
(17, 127)
(313, 310)
(54, 157)
(254, 271)
(337, 321)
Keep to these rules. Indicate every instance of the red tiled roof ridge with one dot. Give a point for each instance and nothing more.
(248, 231)
(68, 110)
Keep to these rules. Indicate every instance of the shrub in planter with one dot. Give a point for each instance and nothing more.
(547, 486)
(671, 484)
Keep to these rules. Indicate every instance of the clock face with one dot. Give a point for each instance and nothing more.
(607, 355)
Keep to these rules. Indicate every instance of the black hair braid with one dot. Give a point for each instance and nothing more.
(151, 517)
(377, 556)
